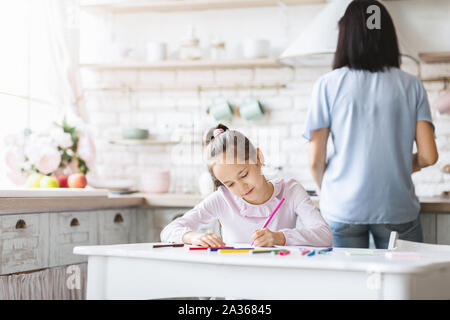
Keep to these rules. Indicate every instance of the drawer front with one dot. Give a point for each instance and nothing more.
(145, 231)
(68, 230)
(117, 226)
(24, 242)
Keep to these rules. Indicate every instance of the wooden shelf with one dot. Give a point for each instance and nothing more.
(188, 5)
(137, 142)
(434, 57)
(191, 64)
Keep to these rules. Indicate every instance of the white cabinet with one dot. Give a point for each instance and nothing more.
(145, 226)
(23, 242)
(428, 221)
(68, 230)
(443, 228)
(116, 226)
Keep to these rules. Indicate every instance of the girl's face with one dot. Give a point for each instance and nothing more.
(243, 180)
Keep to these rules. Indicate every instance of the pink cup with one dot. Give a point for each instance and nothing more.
(157, 181)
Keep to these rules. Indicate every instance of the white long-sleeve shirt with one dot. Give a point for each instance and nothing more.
(239, 218)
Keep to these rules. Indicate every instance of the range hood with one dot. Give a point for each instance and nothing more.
(317, 43)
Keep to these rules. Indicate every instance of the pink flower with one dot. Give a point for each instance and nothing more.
(18, 178)
(49, 160)
(14, 158)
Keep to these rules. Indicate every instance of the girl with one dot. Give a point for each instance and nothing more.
(244, 199)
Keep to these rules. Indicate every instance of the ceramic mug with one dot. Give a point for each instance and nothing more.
(221, 111)
(156, 51)
(251, 110)
(256, 48)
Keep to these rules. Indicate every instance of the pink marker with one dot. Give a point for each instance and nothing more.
(270, 218)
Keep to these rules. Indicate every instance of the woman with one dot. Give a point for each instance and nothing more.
(374, 113)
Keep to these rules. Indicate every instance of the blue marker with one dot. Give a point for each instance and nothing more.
(322, 251)
(309, 254)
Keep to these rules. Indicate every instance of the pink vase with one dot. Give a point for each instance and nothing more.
(157, 181)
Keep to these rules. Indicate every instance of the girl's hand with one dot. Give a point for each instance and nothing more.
(207, 239)
(267, 238)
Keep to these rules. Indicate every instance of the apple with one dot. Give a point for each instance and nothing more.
(33, 181)
(77, 180)
(62, 181)
(49, 182)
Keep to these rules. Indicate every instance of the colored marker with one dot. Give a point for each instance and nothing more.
(235, 250)
(271, 216)
(212, 249)
(284, 253)
(168, 245)
(360, 253)
(324, 251)
(311, 253)
(261, 251)
(208, 248)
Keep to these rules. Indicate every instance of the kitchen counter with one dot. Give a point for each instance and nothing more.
(168, 200)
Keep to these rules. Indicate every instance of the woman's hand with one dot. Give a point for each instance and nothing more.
(207, 239)
(267, 238)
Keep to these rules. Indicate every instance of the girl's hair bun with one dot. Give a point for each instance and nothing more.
(212, 133)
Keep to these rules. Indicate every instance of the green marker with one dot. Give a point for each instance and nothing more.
(360, 253)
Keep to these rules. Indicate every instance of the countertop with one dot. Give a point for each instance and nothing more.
(168, 200)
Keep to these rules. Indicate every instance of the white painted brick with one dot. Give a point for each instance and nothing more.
(310, 73)
(267, 92)
(279, 102)
(274, 75)
(435, 70)
(193, 77)
(90, 78)
(119, 78)
(298, 88)
(429, 174)
(442, 127)
(302, 103)
(150, 78)
(233, 75)
(145, 159)
(300, 160)
(284, 116)
(410, 67)
(149, 102)
(296, 131)
(103, 118)
(431, 86)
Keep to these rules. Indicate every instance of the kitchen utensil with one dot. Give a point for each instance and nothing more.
(135, 133)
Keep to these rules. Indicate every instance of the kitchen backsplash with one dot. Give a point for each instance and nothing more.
(182, 114)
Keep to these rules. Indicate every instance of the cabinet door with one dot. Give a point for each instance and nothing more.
(428, 221)
(443, 228)
(145, 227)
(68, 230)
(117, 226)
(24, 242)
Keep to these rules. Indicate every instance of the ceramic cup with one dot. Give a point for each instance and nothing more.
(134, 133)
(221, 111)
(155, 181)
(156, 51)
(251, 110)
(256, 48)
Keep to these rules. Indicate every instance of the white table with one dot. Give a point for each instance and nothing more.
(138, 271)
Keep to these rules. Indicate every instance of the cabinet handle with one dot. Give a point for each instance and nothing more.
(21, 224)
(74, 222)
(118, 218)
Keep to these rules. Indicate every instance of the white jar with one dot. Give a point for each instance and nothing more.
(156, 51)
(256, 48)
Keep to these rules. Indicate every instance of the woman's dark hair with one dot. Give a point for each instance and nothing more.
(362, 48)
(231, 144)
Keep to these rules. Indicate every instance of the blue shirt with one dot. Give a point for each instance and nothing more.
(372, 119)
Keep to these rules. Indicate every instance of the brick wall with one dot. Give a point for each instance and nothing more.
(182, 113)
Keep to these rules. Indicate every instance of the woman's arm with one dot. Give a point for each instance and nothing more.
(317, 153)
(427, 153)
